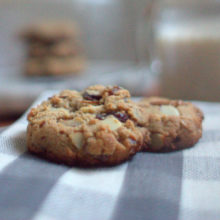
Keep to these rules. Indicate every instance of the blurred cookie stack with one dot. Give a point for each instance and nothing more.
(53, 49)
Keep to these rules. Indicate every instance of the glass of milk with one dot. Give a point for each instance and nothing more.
(186, 48)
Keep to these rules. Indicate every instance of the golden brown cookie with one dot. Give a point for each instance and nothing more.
(62, 49)
(50, 31)
(173, 124)
(54, 66)
(98, 126)
(53, 48)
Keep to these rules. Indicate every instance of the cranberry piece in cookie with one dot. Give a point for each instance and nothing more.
(91, 97)
(123, 117)
(113, 90)
(101, 116)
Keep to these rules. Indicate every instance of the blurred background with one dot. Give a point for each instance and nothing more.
(151, 47)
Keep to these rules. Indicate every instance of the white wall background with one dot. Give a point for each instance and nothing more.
(109, 27)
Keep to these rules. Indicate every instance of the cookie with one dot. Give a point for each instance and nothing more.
(173, 124)
(53, 48)
(54, 65)
(53, 31)
(98, 126)
(63, 49)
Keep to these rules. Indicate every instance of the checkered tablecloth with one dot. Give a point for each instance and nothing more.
(184, 185)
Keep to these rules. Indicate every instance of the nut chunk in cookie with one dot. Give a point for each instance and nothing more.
(98, 126)
(173, 124)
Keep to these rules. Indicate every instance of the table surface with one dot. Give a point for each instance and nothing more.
(182, 174)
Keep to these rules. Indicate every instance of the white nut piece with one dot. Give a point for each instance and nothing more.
(112, 122)
(157, 141)
(72, 122)
(77, 139)
(93, 92)
(59, 110)
(91, 109)
(169, 110)
(135, 112)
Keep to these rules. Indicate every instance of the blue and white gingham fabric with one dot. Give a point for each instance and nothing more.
(183, 185)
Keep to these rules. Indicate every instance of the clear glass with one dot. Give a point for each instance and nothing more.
(187, 48)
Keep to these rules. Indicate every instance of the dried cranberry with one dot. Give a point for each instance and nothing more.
(101, 116)
(87, 96)
(121, 116)
(42, 124)
(114, 90)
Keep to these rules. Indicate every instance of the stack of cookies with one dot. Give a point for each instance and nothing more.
(53, 49)
(102, 126)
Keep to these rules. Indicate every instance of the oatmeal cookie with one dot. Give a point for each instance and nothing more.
(50, 31)
(54, 65)
(173, 124)
(60, 49)
(98, 126)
